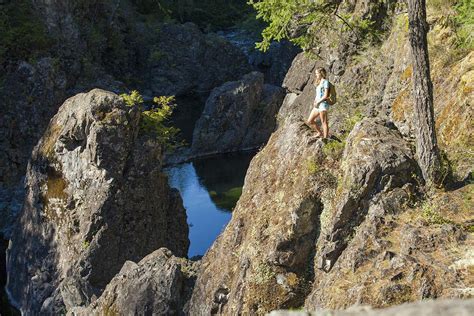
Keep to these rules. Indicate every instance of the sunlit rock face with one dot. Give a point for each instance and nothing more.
(96, 197)
(330, 225)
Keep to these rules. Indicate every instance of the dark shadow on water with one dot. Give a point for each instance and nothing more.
(210, 188)
(223, 177)
(187, 112)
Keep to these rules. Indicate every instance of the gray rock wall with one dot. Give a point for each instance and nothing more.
(238, 115)
(96, 197)
(160, 284)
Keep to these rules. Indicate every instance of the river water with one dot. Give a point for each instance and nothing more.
(210, 188)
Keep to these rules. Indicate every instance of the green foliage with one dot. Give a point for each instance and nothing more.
(352, 120)
(334, 149)
(281, 16)
(312, 166)
(465, 21)
(431, 214)
(22, 34)
(153, 121)
(300, 21)
(132, 99)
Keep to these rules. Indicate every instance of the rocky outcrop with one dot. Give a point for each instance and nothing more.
(187, 60)
(160, 284)
(424, 308)
(376, 160)
(95, 198)
(337, 224)
(281, 214)
(239, 115)
(262, 260)
(400, 252)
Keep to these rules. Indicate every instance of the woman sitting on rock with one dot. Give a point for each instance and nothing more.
(320, 105)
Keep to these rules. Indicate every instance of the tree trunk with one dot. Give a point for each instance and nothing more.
(426, 143)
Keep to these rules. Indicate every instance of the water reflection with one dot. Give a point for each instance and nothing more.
(210, 189)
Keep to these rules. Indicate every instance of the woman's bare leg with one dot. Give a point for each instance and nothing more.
(312, 120)
(324, 122)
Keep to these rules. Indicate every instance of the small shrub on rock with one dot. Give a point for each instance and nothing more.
(153, 120)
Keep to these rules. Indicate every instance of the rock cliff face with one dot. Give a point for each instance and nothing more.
(264, 258)
(336, 224)
(187, 60)
(319, 224)
(238, 115)
(116, 52)
(95, 198)
(160, 284)
(275, 62)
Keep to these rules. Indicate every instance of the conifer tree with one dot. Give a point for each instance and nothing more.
(426, 142)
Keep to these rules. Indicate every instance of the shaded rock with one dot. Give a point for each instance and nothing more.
(275, 62)
(188, 60)
(424, 308)
(29, 99)
(160, 284)
(239, 115)
(11, 202)
(95, 197)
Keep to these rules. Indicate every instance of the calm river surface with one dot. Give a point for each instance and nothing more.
(210, 189)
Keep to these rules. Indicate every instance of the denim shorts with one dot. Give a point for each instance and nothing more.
(323, 106)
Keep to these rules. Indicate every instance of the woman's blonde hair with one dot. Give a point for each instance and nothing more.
(322, 71)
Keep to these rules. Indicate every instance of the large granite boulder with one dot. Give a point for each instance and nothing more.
(238, 115)
(95, 198)
(160, 284)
